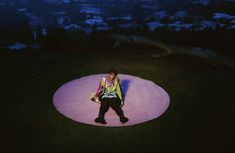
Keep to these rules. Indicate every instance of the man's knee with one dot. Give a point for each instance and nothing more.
(105, 104)
(116, 106)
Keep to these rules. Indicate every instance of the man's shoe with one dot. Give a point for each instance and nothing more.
(124, 119)
(100, 120)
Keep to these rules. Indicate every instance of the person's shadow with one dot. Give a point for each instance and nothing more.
(124, 87)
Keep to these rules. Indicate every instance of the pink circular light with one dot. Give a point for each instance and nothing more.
(144, 100)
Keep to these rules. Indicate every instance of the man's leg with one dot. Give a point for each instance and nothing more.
(115, 105)
(104, 107)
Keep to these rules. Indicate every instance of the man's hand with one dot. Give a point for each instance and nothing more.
(122, 104)
(95, 99)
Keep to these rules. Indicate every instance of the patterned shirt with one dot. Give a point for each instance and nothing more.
(109, 88)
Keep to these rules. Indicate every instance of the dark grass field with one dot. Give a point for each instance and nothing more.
(200, 116)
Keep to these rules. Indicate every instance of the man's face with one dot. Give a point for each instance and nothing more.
(112, 76)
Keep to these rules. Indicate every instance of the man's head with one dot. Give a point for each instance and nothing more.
(112, 74)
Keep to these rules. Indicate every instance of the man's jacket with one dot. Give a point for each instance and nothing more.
(105, 89)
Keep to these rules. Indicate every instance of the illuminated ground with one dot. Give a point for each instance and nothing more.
(144, 100)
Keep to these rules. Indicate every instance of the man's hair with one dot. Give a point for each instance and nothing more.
(113, 71)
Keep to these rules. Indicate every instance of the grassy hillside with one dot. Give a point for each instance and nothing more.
(200, 116)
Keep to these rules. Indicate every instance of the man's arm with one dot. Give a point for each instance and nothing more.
(119, 92)
(96, 97)
(99, 90)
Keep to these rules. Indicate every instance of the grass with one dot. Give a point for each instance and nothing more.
(200, 116)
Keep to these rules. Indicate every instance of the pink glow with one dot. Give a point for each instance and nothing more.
(144, 100)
